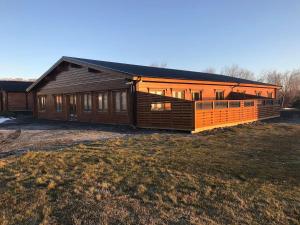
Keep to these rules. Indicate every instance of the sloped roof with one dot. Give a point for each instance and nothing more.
(157, 72)
(18, 86)
(152, 72)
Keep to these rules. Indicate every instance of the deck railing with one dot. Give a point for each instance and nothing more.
(216, 113)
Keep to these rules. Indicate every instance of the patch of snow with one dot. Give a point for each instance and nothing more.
(4, 119)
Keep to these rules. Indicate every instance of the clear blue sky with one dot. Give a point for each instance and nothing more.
(194, 35)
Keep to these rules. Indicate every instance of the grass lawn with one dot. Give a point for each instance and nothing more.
(243, 175)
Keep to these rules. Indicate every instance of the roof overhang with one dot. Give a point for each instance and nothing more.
(185, 81)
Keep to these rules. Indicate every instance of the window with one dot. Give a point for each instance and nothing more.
(270, 95)
(178, 94)
(196, 95)
(157, 92)
(161, 106)
(124, 101)
(103, 102)
(42, 103)
(58, 103)
(87, 102)
(219, 95)
(249, 103)
(120, 101)
(258, 93)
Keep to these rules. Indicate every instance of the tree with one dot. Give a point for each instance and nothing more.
(210, 70)
(236, 71)
(289, 82)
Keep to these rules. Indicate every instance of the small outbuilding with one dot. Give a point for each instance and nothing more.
(13, 96)
(76, 89)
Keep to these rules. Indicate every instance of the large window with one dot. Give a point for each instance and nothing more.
(58, 103)
(219, 95)
(120, 101)
(42, 103)
(103, 102)
(196, 95)
(178, 94)
(87, 102)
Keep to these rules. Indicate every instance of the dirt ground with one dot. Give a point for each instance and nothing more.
(24, 134)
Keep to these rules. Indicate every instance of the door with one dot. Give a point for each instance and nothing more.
(72, 102)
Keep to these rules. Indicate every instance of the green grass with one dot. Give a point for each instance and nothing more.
(242, 175)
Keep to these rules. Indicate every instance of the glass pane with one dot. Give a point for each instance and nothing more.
(124, 100)
(105, 101)
(100, 102)
(117, 102)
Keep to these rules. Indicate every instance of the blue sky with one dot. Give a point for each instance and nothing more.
(193, 35)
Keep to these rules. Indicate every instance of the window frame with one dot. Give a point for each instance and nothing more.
(42, 104)
(223, 94)
(104, 107)
(176, 91)
(120, 101)
(58, 109)
(258, 93)
(200, 92)
(90, 107)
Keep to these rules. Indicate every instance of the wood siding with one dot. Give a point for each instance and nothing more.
(184, 114)
(16, 101)
(93, 116)
(80, 80)
(74, 80)
(180, 116)
(208, 90)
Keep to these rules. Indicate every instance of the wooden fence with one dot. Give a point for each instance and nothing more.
(164, 112)
(220, 113)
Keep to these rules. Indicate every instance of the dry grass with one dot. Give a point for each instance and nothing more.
(242, 175)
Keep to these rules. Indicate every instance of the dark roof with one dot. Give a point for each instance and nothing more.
(156, 72)
(18, 86)
(148, 71)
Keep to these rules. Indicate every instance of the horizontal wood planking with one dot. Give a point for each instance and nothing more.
(16, 101)
(208, 90)
(72, 80)
(215, 117)
(80, 80)
(179, 117)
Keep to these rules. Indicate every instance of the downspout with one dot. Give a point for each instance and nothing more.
(134, 101)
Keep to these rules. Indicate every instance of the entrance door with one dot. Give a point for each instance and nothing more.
(72, 107)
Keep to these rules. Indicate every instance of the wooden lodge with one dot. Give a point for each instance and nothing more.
(13, 96)
(84, 90)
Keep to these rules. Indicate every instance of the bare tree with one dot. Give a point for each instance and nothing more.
(289, 82)
(236, 71)
(210, 70)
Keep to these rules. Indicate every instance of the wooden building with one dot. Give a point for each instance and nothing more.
(95, 91)
(13, 96)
